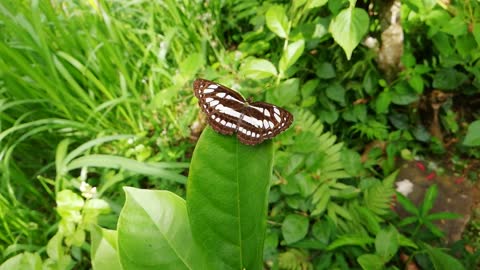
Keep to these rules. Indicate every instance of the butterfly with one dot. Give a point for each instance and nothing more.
(228, 112)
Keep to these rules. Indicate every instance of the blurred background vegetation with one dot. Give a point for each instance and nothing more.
(95, 96)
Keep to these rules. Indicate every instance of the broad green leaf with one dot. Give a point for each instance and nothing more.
(403, 94)
(325, 70)
(309, 87)
(443, 43)
(336, 6)
(294, 228)
(349, 27)
(416, 82)
(336, 92)
(473, 134)
(23, 261)
(371, 262)
(154, 232)
(442, 260)
(277, 21)
(322, 231)
(104, 252)
(421, 133)
(386, 243)
(370, 82)
(316, 3)
(448, 79)
(456, 26)
(286, 93)
(227, 194)
(189, 67)
(476, 33)
(290, 55)
(466, 46)
(56, 252)
(383, 102)
(258, 69)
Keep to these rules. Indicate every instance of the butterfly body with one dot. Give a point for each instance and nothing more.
(228, 113)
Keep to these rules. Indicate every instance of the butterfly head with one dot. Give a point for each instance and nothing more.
(248, 101)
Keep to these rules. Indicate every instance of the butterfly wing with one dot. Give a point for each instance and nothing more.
(222, 105)
(262, 121)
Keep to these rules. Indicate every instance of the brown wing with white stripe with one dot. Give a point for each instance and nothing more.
(222, 105)
(262, 121)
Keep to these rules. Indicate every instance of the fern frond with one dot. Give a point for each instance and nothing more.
(378, 197)
(371, 130)
(329, 165)
(294, 259)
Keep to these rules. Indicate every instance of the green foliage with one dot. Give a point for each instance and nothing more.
(472, 138)
(75, 75)
(421, 218)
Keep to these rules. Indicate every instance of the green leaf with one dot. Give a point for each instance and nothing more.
(421, 133)
(321, 198)
(407, 204)
(104, 252)
(315, 3)
(456, 26)
(154, 232)
(189, 67)
(277, 21)
(227, 199)
(476, 32)
(466, 46)
(383, 102)
(429, 199)
(434, 229)
(408, 221)
(158, 169)
(443, 215)
(473, 134)
(294, 228)
(23, 261)
(371, 262)
(290, 55)
(416, 82)
(386, 243)
(286, 93)
(369, 219)
(349, 27)
(443, 44)
(448, 79)
(336, 92)
(406, 242)
(322, 231)
(442, 260)
(325, 70)
(402, 94)
(258, 69)
(350, 240)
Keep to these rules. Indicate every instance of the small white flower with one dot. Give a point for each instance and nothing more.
(405, 187)
(87, 191)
